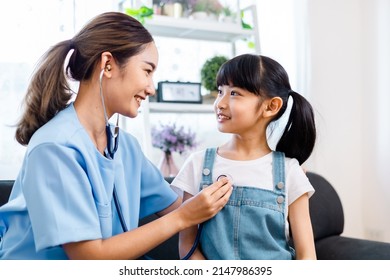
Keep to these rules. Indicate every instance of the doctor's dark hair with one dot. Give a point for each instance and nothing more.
(49, 91)
(266, 78)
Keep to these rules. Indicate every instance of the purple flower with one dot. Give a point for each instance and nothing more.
(170, 138)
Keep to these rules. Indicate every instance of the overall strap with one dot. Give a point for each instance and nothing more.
(207, 180)
(278, 170)
(207, 168)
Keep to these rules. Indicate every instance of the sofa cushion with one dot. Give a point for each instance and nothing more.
(345, 248)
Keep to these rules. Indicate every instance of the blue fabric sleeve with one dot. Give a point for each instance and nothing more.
(59, 197)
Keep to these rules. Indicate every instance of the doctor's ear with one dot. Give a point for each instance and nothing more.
(106, 62)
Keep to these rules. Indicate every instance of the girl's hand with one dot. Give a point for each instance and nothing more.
(206, 204)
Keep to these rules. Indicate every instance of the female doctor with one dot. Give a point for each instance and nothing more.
(84, 183)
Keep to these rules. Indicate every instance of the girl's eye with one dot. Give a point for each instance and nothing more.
(233, 93)
(219, 92)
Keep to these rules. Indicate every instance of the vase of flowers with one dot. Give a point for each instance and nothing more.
(170, 138)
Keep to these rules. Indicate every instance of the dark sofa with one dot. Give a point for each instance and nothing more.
(327, 217)
(328, 224)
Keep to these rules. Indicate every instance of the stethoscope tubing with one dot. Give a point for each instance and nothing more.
(124, 228)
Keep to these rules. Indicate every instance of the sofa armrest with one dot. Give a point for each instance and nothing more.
(5, 190)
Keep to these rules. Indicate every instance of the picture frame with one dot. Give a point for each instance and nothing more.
(179, 92)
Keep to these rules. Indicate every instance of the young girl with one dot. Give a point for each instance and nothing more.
(271, 191)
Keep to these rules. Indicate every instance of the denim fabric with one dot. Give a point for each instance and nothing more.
(252, 224)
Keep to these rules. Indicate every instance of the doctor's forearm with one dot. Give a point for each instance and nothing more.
(129, 245)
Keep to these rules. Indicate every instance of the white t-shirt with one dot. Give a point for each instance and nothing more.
(253, 173)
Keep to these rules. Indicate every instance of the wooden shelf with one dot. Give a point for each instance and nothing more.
(196, 29)
(160, 107)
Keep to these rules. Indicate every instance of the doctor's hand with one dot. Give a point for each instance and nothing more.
(206, 204)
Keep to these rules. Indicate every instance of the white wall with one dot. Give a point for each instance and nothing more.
(376, 116)
(350, 58)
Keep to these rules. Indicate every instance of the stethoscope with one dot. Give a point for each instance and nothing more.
(112, 147)
(112, 139)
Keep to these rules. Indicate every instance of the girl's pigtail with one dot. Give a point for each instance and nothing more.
(299, 136)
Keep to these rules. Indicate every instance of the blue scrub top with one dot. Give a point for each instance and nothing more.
(64, 191)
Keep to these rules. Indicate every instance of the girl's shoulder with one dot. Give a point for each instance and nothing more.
(291, 162)
(292, 166)
(195, 159)
(196, 156)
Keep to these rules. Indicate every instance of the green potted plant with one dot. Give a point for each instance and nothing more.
(228, 15)
(208, 74)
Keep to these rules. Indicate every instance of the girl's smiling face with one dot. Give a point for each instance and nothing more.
(237, 110)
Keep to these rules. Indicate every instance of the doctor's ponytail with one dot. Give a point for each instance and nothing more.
(49, 91)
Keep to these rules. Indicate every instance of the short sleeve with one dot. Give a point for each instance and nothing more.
(189, 176)
(297, 181)
(59, 197)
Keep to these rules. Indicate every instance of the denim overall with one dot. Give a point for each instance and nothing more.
(252, 224)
